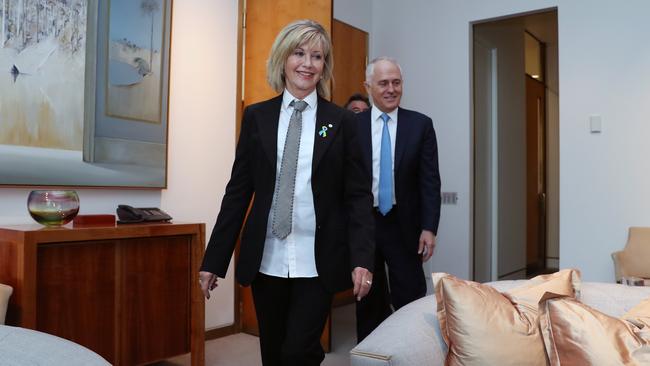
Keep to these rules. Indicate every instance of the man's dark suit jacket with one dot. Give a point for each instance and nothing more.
(417, 179)
(341, 189)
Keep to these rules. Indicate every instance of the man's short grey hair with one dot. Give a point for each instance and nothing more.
(371, 65)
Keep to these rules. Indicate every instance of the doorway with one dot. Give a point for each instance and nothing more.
(515, 146)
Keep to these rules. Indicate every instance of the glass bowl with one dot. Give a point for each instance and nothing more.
(53, 208)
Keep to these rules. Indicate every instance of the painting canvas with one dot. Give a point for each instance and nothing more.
(42, 53)
(134, 59)
(84, 92)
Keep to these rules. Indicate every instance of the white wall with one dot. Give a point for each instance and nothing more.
(201, 134)
(603, 69)
(604, 180)
(356, 13)
(202, 123)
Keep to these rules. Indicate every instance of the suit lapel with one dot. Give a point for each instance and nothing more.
(365, 136)
(327, 125)
(268, 127)
(401, 140)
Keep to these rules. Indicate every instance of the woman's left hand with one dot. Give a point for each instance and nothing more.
(362, 280)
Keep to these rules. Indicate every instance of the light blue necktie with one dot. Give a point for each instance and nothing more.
(385, 170)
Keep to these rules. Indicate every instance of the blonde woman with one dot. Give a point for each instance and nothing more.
(309, 233)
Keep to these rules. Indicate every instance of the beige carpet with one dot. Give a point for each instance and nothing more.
(244, 350)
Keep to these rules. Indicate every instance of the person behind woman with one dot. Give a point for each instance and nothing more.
(310, 224)
(357, 103)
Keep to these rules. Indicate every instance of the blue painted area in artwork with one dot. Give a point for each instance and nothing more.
(134, 25)
(123, 74)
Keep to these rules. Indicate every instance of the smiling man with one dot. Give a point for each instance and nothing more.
(400, 147)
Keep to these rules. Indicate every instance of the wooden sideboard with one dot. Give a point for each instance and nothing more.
(128, 292)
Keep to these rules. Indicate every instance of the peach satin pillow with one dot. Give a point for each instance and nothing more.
(484, 327)
(576, 334)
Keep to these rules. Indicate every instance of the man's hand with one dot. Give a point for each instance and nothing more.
(427, 244)
(208, 282)
(362, 279)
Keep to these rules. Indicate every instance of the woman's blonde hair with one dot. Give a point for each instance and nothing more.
(291, 37)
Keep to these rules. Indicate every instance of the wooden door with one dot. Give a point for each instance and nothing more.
(264, 19)
(350, 47)
(535, 175)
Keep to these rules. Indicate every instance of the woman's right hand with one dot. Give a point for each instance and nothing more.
(208, 282)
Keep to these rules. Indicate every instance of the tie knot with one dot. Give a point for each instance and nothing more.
(298, 105)
(384, 117)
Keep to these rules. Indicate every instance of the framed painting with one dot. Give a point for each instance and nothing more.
(87, 87)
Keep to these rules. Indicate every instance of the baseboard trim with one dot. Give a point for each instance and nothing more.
(220, 332)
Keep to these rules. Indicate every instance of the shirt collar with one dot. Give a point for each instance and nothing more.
(375, 113)
(311, 99)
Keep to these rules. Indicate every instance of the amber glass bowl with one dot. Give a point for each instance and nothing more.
(53, 208)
